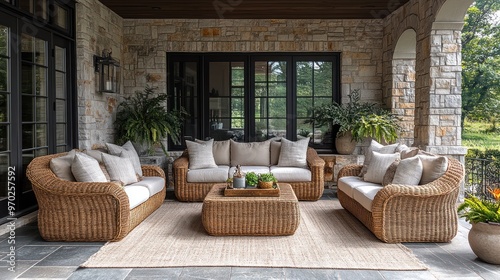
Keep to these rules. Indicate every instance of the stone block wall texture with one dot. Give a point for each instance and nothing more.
(146, 43)
(97, 28)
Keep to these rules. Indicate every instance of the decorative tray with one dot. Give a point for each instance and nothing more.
(252, 192)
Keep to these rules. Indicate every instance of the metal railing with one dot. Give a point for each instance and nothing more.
(481, 174)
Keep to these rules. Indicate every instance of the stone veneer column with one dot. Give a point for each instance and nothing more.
(403, 97)
(97, 28)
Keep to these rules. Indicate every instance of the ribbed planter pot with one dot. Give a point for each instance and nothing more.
(484, 240)
(344, 143)
(265, 185)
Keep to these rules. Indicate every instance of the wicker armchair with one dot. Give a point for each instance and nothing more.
(78, 211)
(400, 213)
(186, 191)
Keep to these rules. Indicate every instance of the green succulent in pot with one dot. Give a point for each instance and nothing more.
(267, 181)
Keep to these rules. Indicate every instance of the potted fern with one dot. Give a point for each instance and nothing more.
(144, 119)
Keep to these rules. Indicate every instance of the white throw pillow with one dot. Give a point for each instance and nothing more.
(61, 166)
(119, 169)
(294, 153)
(252, 153)
(201, 154)
(408, 172)
(376, 147)
(127, 150)
(433, 167)
(87, 169)
(378, 166)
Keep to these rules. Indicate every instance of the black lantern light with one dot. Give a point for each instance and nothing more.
(108, 72)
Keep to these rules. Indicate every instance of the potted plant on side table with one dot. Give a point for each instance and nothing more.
(484, 216)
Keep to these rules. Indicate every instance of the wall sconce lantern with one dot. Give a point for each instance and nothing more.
(107, 68)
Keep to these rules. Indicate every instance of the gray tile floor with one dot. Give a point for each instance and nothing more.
(37, 259)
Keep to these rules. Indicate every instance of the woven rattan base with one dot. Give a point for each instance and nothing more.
(251, 215)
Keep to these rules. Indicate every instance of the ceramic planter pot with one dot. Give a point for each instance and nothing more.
(344, 143)
(484, 240)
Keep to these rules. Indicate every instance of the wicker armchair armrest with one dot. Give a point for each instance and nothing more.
(182, 162)
(313, 160)
(153, 171)
(350, 170)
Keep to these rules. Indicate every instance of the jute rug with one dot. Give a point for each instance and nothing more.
(327, 237)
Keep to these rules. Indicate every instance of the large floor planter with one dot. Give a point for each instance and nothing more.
(344, 143)
(484, 240)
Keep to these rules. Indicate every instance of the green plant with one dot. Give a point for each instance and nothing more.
(377, 122)
(143, 118)
(381, 126)
(267, 177)
(251, 179)
(477, 210)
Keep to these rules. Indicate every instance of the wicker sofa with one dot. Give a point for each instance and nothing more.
(409, 213)
(308, 189)
(83, 211)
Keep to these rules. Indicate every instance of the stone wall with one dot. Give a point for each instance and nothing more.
(97, 28)
(146, 43)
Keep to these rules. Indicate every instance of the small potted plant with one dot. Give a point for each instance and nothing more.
(251, 179)
(484, 216)
(267, 181)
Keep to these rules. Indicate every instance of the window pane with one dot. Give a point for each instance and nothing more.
(4, 75)
(41, 135)
(41, 81)
(61, 149)
(40, 51)
(260, 107)
(60, 59)
(304, 107)
(304, 79)
(60, 134)
(260, 71)
(60, 85)
(26, 5)
(27, 79)
(260, 90)
(277, 107)
(28, 109)
(277, 71)
(60, 110)
(323, 78)
(41, 109)
(237, 107)
(4, 40)
(28, 136)
(277, 128)
(60, 17)
(41, 8)
(4, 109)
(238, 92)
(27, 48)
(4, 137)
(237, 74)
(277, 89)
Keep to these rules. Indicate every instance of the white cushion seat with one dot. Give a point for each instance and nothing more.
(208, 175)
(136, 195)
(364, 195)
(249, 168)
(347, 184)
(291, 174)
(153, 184)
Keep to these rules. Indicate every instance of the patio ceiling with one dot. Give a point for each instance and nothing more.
(254, 9)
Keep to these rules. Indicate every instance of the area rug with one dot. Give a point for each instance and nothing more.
(327, 237)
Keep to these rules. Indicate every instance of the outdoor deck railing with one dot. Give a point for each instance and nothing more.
(481, 174)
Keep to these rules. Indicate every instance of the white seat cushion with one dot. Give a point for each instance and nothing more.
(291, 174)
(347, 184)
(136, 195)
(364, 195)
(208, 175)
(154, 184)
(250, 168)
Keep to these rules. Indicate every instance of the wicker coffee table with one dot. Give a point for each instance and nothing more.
(223, 215)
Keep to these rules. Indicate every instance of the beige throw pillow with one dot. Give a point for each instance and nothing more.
(409, 172)
(376, 147)
(61, 166)
(378, 166)
(294, 153)
(389, 174)
(275, 152)
(221, 151)
(201, 154)
(119, 169)
(86, 169)
(127, 150)
(433, 167)
(252, 153)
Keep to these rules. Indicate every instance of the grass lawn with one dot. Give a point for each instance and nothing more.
(474, 136)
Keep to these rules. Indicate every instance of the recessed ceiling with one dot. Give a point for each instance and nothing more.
(254, 9)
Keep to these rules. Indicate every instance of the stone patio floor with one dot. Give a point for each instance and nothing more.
(37, 259)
